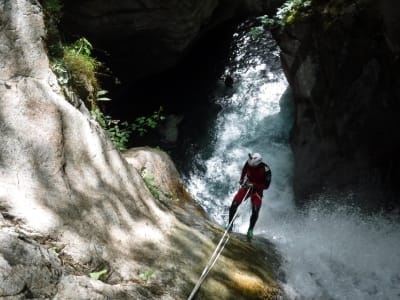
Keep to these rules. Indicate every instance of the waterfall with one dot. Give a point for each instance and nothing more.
(330, 251)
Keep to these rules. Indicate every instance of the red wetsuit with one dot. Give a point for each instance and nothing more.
(260, 177)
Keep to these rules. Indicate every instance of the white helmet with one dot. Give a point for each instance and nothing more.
(254, 159)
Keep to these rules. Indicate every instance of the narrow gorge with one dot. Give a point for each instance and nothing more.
(315, 90)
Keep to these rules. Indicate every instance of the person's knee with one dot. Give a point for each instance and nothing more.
(255, 209)
(235, 204)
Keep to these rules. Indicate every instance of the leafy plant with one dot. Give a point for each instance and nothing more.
(54, 249)
(256, 31)
(77, 68)
(100, 96)
(146, 276)
(149, 181)
(82, 68)
(170, 196)
(97, 275)
(264, 21)
(154, 190)
(81, 46)
(289, 12)
(142, 124)
(118, 132)
(61, 72)
(292, 10)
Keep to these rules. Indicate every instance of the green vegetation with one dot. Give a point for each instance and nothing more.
(146, 276)
(149, 181)
(143, 124)
(83, 70)
(154, 190)
(77, 70)
(120, 132)
(55, 249)
(98, 275)
(170, 196)
(290, 12)
(265, 22)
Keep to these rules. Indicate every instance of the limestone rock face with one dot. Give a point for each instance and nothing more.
(159, 172)
(26, 267)
(58, 166)
(71, 204)
(147, 37)
(343, 63)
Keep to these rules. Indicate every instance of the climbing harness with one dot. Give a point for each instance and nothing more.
(217, 252)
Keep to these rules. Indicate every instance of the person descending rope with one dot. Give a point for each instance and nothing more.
(256, 177)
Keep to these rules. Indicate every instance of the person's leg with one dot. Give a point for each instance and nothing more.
(233, 209)
(255, 209)
(254, 216)
(235, 203)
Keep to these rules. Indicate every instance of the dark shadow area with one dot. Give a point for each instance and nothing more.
(179, 90)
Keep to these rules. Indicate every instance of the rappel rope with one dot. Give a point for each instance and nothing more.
(217, 252)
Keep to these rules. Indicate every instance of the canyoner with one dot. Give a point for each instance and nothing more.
(255, 177)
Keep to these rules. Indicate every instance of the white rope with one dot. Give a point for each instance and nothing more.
(217, 252)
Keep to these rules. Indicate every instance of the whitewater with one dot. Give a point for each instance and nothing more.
(329, 250)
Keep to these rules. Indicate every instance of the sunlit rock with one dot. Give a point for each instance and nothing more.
(71, 204)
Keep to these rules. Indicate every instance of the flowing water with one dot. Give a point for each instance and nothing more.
(329, 251)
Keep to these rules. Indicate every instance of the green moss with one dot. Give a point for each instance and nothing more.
(290, 19)
(82, 70)
(293, 11)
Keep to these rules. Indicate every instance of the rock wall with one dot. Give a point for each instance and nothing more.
(146, 37)
(342, 62)
(71, 204)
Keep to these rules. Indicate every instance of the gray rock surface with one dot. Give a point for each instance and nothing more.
(64, 186)
(27, 269)
(342, 64)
